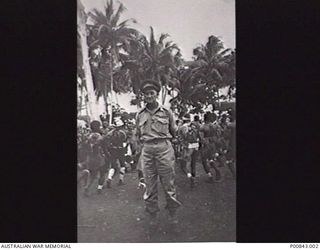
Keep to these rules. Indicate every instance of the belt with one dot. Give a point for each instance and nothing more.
(156, 141)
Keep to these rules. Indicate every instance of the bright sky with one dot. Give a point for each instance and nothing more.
(188, 22)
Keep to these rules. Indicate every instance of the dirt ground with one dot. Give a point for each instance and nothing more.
(208, 213)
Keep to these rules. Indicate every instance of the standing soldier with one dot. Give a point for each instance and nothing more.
(136, 152)
(209, 136)
(230, 154)
(92, 160)
(176, 144)
(117, 138)
(225, 138)
(155, 129)
(188, 135)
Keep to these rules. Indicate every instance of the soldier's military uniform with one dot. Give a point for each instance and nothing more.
(209, 146)
(155, 129)
(117, 137)
(94, 162)
(189, 137)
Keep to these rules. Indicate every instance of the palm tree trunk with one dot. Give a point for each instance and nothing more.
(105, 98)
(111, 86)
(80, 100)
(81, 21)
(164, 94)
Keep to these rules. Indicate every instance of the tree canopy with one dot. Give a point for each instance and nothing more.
(121, 57)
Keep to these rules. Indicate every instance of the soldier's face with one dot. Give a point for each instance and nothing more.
(150, 96)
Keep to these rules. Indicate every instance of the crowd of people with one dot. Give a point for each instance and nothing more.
(105, 150)
(210, 142)
(156, 138)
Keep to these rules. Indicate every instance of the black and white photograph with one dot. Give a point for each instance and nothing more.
(156, 121)
(160, 121)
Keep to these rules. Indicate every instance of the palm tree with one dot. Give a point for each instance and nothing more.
(159, 60)
(212, 63)
(112, 36)
(229, 74)
(82, 40)
(132, 71)
(151, 59)
(197, 83)
(192, 94)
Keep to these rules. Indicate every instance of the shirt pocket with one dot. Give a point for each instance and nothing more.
(143, 125)
(160, 125)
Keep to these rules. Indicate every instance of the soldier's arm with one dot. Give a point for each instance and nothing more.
(172, 124)
(138, 135)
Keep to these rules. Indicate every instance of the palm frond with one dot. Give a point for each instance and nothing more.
(225, 52)
(169, 49)
(98, 17)
(125, 22)
(126, 33)
(104, 27)
(131, 65)
(166, 59)
(152, 42)
(162, 38)
(116, 17)
(146, 46)
(215, 73)
(109, 9)
(94, 43)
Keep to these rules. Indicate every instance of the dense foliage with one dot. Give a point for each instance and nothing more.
(121, 57)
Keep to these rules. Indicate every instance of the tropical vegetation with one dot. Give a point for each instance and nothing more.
(114, 58)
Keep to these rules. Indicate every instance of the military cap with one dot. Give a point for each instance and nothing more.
(150, 84)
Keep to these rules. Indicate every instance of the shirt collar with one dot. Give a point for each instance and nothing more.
(160, 107)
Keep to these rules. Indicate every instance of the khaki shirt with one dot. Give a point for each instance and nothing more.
(159, 124)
